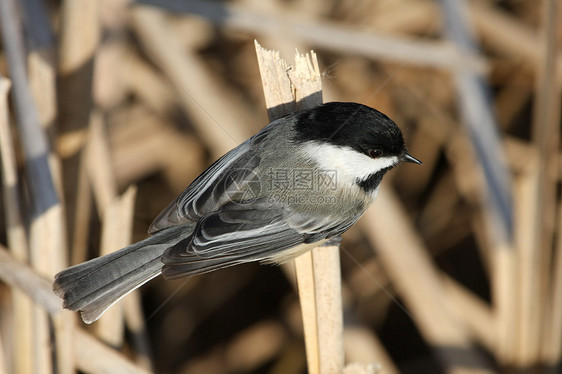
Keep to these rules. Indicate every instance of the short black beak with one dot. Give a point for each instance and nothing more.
(406, 157)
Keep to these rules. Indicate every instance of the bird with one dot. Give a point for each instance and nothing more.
(302, 180)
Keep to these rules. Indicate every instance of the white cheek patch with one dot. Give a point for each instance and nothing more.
(349, 164)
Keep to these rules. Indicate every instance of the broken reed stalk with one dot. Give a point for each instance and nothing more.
(116, 214)
(47, 229)
(89, 354)
(287, 89)
(117, 227)
(17, 240)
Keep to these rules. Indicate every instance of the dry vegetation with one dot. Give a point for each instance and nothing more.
(108, 109)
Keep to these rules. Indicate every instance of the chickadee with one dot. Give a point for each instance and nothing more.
(301, 180)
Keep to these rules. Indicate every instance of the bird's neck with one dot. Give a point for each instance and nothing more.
(371, 183)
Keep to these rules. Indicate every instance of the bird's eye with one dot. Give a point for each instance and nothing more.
(374, 153)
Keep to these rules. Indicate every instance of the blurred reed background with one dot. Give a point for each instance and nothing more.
(115, 106)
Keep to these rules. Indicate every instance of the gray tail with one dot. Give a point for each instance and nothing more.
(94, 286)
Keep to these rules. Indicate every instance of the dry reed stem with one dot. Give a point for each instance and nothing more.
(362, 346)
(318, 271)
(552, 353)
(475, 314)
(78, 41)
(3, 362)
(83, 206)
(405, 259)
(528, 242)
(479, 120)
(218, 114)
(307, 297)
(546, 137)
(116, 217)
(82, 214)
(17, 240)
(47, 232)
(80, 36)
(536, 197)
(500, 31)
(94, 357)
(6, 320)
(117, 213)
(41, 60)
(501, 259)
(89, 353)
(149, 86)
(361, 369)
(146, 134)
(47, 246)
(478, 117)
(20, 276)
(407, 17)
(116, 233)
(254, 346)
(506, 34)
(98, 164)
(504, 292)
(42, 80)
(110, 71)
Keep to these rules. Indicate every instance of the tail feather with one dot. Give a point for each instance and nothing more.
(93, 286)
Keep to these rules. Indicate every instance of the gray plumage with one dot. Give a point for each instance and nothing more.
(247, 207)
(95, 285)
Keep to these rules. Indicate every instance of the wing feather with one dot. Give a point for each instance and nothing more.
(217, 185)
(243, 232)
(208, 191)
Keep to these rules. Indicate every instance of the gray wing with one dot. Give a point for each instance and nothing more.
(217, 185)
(211, 189)
(238, 233)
